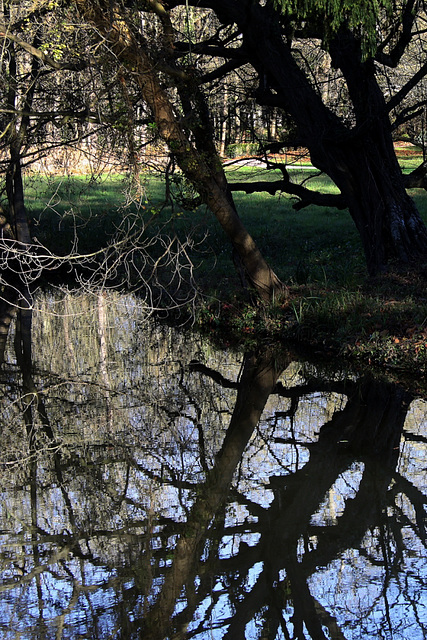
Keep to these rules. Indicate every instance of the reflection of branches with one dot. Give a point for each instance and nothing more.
(365, 426)
(297, 497)
(417, 499)
(216, 376)
(176, 556)
(370, 425)
(257, 380)
(315, 385)
(415, 437)
(37, 570)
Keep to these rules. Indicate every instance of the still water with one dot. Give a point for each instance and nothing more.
(153, 487)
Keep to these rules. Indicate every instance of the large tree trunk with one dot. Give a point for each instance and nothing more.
(369, 177)
(367, 171)
(359, 158)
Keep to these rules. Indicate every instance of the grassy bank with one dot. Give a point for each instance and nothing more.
(331, 306)
(381, 323)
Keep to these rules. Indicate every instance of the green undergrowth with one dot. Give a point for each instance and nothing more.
(382, 323)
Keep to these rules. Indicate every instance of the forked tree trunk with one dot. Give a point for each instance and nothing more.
(368, 172)
(360, 159)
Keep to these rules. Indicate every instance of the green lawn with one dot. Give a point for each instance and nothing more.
(316, 244)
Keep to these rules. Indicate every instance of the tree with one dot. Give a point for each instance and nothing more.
(164, 58)
(182, 121)
(353, 145)
(127, 73)
(31, 114)
(55, 102)
(355, 150)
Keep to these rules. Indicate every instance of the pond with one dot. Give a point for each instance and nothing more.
(155, 487)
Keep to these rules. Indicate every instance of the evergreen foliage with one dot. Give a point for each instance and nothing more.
(361, 16)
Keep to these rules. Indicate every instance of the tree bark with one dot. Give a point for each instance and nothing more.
(368, 172)
(359, 158)
(190, 145)
(371, 183)
(15, 197)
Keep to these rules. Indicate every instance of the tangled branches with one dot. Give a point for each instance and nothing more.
(139, 257)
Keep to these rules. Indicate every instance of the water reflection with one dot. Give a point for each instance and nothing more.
(155, 488)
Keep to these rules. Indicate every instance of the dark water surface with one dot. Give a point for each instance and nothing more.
(153, 487)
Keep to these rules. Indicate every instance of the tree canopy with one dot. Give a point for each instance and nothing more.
(329, 16)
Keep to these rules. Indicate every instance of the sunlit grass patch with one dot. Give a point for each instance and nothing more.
(313, 245)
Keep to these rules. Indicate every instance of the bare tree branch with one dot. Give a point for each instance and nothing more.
(406, 23)
(407, 88)
(306, 196)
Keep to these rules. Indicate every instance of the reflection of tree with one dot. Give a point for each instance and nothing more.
(191, 512)
(257, 381)
(369, 429)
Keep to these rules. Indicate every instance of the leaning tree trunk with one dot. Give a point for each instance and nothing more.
(197, 159)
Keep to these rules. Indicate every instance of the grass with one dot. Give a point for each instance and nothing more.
(316, 252)
(314, 244)
(61, 208)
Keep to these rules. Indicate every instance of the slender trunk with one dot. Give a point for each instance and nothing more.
(102, 328)
(224, 119)
(273, 125)
(17, 235)
(15, 196)
(198, 160)
(17, 138)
